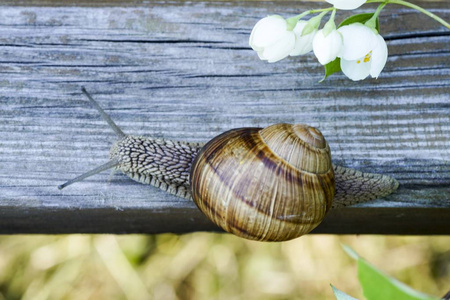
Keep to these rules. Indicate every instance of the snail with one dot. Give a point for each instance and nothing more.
(269, 184)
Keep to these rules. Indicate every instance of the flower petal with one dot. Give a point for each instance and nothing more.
(358, 40)
(281, 48)
(267, 31)
(261, 55)
(355, 69)
(346, 4)
(326, 48)
(379, 57)
(303, 44)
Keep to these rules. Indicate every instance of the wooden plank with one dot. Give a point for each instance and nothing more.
(185, 71)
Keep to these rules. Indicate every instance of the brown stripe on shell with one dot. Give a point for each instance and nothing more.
(242, 230)
(328, 184)
(225, 167)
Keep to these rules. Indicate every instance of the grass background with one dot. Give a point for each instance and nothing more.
(210, 266)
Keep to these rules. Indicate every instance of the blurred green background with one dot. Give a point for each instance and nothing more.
(210, 266)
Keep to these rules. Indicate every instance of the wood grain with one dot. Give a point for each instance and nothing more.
(185, 71)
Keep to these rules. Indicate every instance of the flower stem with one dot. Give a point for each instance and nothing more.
(313, 23)
(372, 22)
(332, 16)
(313, 11)
(416, 7)
(292, 21)
(377, 12)
(330, 25)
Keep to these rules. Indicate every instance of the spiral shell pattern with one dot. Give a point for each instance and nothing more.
(270, 184)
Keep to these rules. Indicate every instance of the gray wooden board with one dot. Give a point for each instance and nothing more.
(185, 71)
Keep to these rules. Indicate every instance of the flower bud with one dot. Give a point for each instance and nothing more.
(327, 47)
(303, 43)
(271, 39)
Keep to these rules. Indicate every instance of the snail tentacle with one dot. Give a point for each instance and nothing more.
(109, 165)
(104, 115)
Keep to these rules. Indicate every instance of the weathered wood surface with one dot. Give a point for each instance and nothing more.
(185, 71)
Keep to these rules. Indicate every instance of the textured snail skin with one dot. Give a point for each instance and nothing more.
(261, 212)
(162, 163)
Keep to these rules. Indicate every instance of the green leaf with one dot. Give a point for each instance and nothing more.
(332, 67)
(340, 295)
(378, 285)
(360, 18)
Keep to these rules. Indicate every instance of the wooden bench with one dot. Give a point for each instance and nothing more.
(184, 70)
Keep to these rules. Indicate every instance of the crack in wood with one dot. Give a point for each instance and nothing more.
(142, 41)
(415, 35)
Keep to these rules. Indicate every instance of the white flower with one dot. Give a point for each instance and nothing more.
(327, 48)
(346, 4)
(364, 52)
(271, 39)
(303, 44)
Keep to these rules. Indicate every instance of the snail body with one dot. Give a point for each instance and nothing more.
(270, 184)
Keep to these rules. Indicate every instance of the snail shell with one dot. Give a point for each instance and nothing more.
(270, 184)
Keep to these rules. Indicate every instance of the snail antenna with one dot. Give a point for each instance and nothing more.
(105, 116)
(111, 164)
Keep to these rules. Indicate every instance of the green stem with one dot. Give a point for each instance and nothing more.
(313, 23)
(377, 12)
(313, 11)
(330, 25)
(413, 6)
(332, 16)
(372, 22)
(293, 20)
